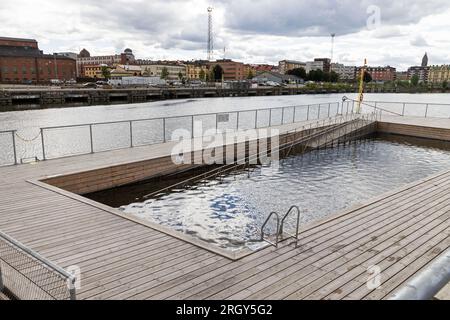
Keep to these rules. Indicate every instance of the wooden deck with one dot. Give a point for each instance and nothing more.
(401, 232)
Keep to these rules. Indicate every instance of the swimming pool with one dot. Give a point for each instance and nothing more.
(228, 211)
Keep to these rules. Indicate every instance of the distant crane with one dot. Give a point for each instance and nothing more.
(361, 87)
(333, 35)
(210, 35)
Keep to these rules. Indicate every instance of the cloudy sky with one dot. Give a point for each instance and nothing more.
(385, 32)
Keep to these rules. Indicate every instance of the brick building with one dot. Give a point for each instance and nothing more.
(21, 61)
(381, 74)
(194, 70)
(232, 70)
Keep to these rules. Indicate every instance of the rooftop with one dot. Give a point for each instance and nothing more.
(18, 39)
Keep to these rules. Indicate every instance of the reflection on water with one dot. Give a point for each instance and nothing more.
(228, 211)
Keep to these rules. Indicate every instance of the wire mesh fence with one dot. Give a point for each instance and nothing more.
(27, 276)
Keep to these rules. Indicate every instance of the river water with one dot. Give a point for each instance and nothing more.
(64, 142)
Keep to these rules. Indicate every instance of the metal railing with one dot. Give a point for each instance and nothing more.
(4, 157)
(132, 133)
(416, 109)
(279, 231)
(313, 129)
(427, 283)
(28, 276)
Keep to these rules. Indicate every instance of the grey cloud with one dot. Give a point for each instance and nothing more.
(321, 17)
(419, 41)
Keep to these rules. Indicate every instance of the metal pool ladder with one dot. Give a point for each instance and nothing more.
(280, 227)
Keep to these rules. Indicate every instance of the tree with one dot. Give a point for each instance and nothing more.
(250, 74)
(164, 73)
(334, 77)
(180, 75)
(299, 72)
(445, 85)
(415, 80)
(316, 75)
(202, 75)
(367, 77)
(217, 73)
(106, 73)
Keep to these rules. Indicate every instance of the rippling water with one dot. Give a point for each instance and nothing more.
(229, 211)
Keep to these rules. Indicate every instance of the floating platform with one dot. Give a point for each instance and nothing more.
(402, 232)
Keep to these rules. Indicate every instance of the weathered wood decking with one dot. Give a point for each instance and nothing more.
(401, 232)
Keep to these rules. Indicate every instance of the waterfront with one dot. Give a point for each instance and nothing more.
(74, 141)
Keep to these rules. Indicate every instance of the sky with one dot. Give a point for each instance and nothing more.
(386, 32)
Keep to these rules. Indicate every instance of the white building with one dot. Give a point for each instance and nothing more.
(346, 73)
(314, 65)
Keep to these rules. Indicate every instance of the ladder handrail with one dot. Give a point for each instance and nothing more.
(277, 230)
(290, 211)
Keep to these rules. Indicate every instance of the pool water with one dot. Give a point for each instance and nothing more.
(228, 211)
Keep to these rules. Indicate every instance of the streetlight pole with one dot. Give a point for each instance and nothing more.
(56, 67)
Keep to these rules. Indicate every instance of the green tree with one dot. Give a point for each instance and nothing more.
(316, 75)
(299, 72)
(334, 77)
(250, 74)
(445, 85)
(180, 76)
(164, 73)
(202, 75)
(217, 73)
(106, 73)
(415, 80)
(367, 77)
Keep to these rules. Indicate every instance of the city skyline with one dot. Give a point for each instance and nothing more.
(265, 32)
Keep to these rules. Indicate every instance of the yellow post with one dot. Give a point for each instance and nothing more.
(361, 87)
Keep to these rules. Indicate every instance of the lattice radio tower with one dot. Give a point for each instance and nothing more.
(210, 35)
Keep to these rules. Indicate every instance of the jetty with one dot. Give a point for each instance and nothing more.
(42, 210)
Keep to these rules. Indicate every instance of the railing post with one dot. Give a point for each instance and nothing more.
(293, 119)
(72, 289)
(164, 130)
(14, 148)
(270, 117)
(256, 120)
(318, 114)
(43, 145)
(217, 123)
(2, 286)
(131, 134)
(192, 126)
(307, 115)
(91, 138)
(282, 116)
(329, 109)
(237, 120)
(426, 111)
(403, 112)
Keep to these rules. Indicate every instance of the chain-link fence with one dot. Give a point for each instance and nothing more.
(25, 275)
